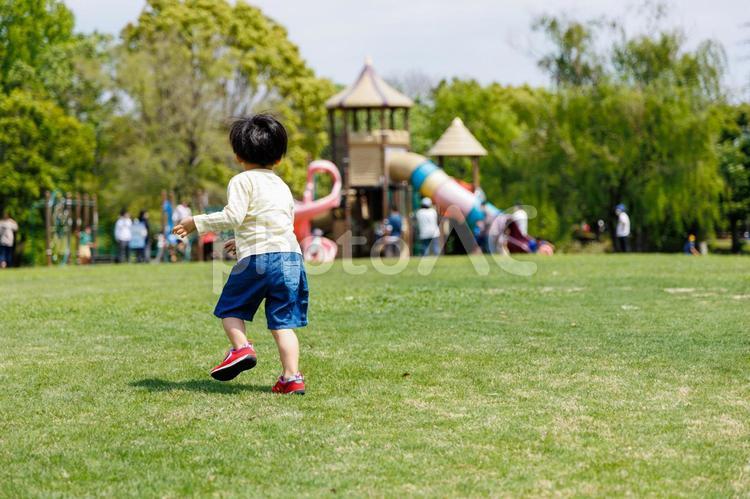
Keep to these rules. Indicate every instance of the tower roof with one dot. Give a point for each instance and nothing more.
(457, 140)
(368, 91)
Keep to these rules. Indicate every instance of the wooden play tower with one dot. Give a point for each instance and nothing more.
(368, 121)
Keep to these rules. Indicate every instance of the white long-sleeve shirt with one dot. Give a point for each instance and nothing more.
(122, 229)
(521, 218)
(181, 211)
(8, 227)
(427, 222)
(623, 225)
(260, 210)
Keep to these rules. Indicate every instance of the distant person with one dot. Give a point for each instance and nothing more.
(381, 229)
(481, 238)
(181, 211)
(143, 217)
(183, 246)
(521, 218)
(486, 213)
(162, 250)
(394, 226)
(183, 249)
(315, 250)
(689, 247)
(207, 241)
(428, 229)
(166, 210)
(8, 229)
(123, 236)
(622, 231)
(167, 216)
(85, 242)
(138, 236)
(600, 228)
(394, 220)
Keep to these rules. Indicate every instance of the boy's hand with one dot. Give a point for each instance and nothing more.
(231, 247)
(184, 228)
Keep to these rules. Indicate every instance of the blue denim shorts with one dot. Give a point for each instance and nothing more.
(278, 278)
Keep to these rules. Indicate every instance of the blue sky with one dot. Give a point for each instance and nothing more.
(489, 40)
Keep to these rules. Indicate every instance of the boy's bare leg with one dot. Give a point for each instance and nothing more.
(288, 345)
(235, 329)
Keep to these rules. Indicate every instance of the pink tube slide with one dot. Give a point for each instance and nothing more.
(308, 208)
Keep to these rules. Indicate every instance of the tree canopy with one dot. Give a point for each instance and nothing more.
(634, 123)
(185, 68)
(41, 148)
(734, 161)
(47, 136)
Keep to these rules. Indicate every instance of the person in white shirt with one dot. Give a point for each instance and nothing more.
(123, 235)
(184, 247)
(521, 218)
(8, 229)
(181, 211)
(622, 231)
(429, 231)
(260, 210)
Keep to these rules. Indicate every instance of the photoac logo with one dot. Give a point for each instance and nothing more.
(489, 242)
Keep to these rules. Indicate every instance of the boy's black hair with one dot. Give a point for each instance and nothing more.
(259, 139)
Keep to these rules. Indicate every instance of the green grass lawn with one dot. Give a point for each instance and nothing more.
(599, 375)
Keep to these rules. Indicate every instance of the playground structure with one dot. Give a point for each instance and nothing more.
(368, 122)
(377, 172)
(315, 247)
(463, 205)
(457, 141)
(370, 143)
(65, 216)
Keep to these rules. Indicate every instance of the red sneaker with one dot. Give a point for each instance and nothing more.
(292, 385)
(234, 363)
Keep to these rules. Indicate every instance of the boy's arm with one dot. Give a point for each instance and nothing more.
(233, 214)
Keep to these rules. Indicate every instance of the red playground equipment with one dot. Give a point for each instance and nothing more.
(315, 247)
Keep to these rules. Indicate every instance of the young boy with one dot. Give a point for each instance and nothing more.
(260, 211)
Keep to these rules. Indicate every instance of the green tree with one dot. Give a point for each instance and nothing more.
(186, 67)
(643, 133)
(573, 60)
(635, 122)
(41, 148)
(40, 54)
(49, 108)
(734, 154)
(508, 122)
(651, 150)
(35, 36)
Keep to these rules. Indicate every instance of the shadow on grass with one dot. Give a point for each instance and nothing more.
(196, 385)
